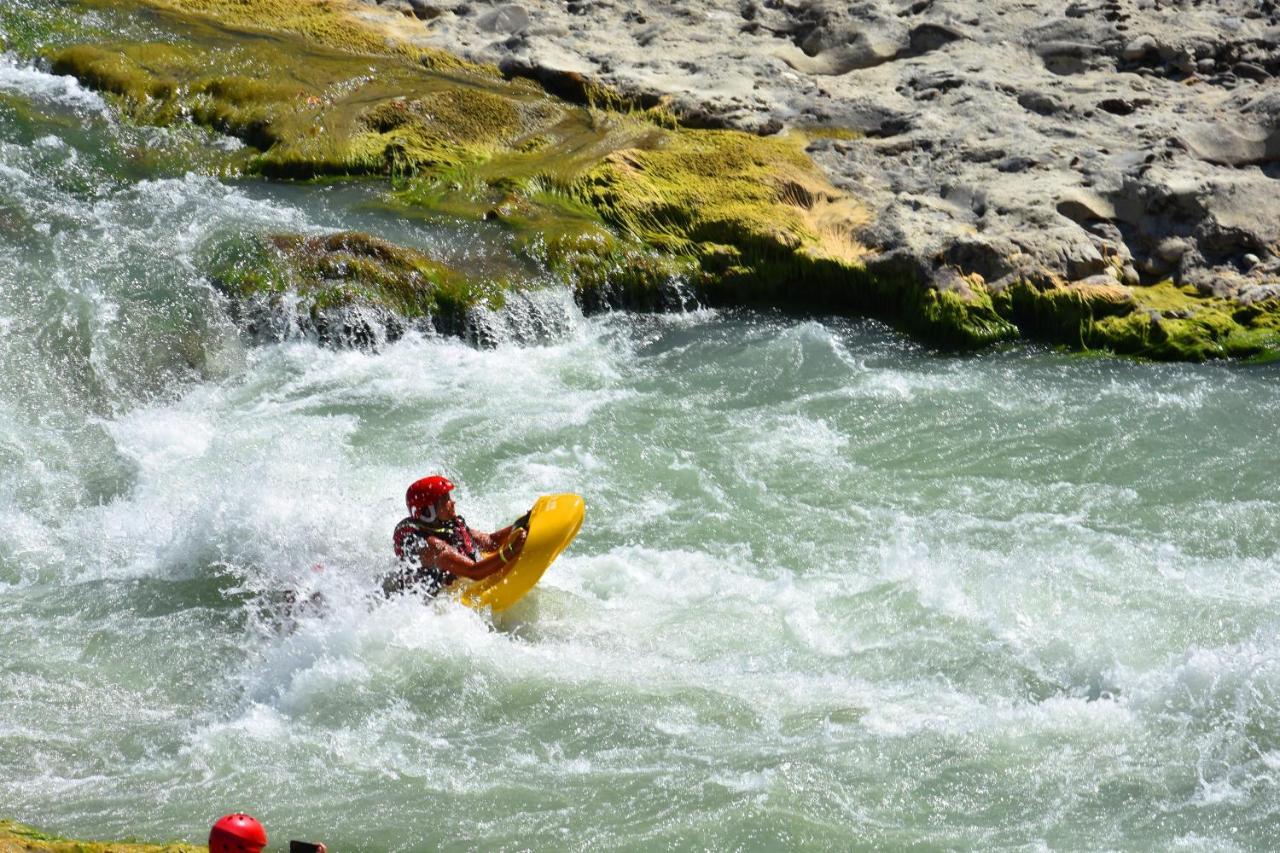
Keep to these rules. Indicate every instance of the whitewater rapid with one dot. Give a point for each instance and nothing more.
(834, 589)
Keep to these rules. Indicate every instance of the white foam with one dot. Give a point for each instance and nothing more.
(801, 554)
(39, 85)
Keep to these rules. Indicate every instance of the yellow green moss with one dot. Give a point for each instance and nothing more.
(327, 23)
(457, 114)
(19, 838)
(739, 217)
(608, 272)
(350, 269)
(1062, 313)
(843, 134)
(1161, 321)
(137, 72)
(958, 320)
(1178, 323)
(696, 186)
(309, 110)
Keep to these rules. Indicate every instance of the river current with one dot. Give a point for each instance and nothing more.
(834, 590)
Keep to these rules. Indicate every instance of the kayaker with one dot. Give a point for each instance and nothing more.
(436, 547)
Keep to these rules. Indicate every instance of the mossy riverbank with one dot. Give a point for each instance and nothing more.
(20, 838)
(620, 202)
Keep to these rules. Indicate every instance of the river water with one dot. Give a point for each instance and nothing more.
(834, 589)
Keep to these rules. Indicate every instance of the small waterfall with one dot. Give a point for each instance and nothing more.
(530, 316)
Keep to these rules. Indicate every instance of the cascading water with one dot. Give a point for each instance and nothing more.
(833, 590)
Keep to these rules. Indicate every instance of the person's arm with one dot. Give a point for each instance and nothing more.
(492, 541)
(447, 558)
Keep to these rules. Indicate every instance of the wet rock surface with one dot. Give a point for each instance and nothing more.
(1125, 141)
(345, 288)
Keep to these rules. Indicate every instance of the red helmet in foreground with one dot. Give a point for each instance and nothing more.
(423, 493)
(237, 833)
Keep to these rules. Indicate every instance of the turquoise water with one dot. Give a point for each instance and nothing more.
(835, 590)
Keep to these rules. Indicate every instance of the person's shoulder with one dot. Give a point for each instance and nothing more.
(406, 524)
(409, 537)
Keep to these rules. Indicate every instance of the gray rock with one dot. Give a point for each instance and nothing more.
(997, 136)
(1081, 260)
(1249, 71)
(504, 19)
(1084, 206)
(1041, 103)
(424, 10)
(420, 9)
(1139, 48)
(1250, 294)
(401, 6)
(1171, 250)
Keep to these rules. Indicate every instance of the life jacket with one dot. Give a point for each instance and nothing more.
(455, 532)
(410, 537)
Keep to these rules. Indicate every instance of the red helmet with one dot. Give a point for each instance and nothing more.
(423, 493)
(237, 833)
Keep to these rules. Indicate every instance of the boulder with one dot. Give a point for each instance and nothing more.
(510, 18)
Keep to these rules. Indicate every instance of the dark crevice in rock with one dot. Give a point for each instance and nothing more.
(572, 86)
(927, 38)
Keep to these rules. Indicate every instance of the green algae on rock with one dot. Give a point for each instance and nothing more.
(693, 186)
(327, 23)
(626, 206)
(309, 110)
(1162, 321)
(346, 287)
(607, 272)
(766, 228)
(20, 838)
(1183, 325)
(741, 218)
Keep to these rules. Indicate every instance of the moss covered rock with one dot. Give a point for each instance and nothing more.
(308, 110)
(1161, 321)
(606, 272)
(632, 210)
(345, 288)
(19, 838)
(629, 208)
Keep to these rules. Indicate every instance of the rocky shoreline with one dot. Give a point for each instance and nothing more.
(1098, 178)
(1109, 143)
(1131, 138)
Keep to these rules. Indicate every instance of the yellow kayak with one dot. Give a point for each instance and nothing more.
(553, 522)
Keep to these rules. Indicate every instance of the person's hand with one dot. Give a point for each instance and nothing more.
(510, 548)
